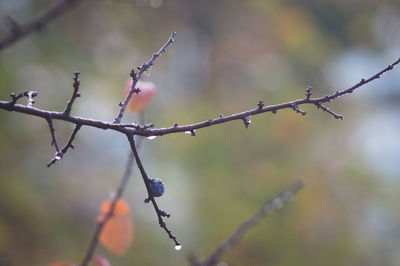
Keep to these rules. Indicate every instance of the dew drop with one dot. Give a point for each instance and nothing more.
(178, 247)
(191, 132)
(151, 137)
(57, 157)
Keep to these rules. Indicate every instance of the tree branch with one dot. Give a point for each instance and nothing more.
(75, 94)
(147, 130)
(146, 180)
(17, 31)
(136, 77)
(267, 209)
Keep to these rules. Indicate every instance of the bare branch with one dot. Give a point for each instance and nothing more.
(267, 209)
(17, 31)
(136, 77)
(147, 131)
(66, 147)
(75, 94)
(326, 109)
(146, 180)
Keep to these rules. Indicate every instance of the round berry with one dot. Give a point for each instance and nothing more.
(156, 187)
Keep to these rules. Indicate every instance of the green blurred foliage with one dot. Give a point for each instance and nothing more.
(228, 55)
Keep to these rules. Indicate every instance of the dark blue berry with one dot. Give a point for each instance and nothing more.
(156, 187)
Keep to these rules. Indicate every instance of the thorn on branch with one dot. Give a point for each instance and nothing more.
(260, 105)
(176, 125)
(308, 92)
(326, 109)
(133, 74)
(298, 110)
(247, 121)
(164, 214)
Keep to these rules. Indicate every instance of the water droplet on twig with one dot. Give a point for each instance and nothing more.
(151, 137)
(191, 132)
(178, 247)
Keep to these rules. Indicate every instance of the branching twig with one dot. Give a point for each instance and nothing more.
(160, 213)
(326, 109)
(19, 31)
(66, 147)
(14, 98)
(75, 94)
(136, 77)
(267, 209)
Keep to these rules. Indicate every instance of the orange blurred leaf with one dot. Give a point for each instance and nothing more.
(141, 100)
(62, 263)
(121, 207)
(99, 260)
(117, 234)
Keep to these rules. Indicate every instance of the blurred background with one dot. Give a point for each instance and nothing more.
(228, 55)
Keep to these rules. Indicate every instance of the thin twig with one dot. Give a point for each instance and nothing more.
(58, 154)
(160, 213)
(17, 31)
(267, 209)
(15, 97)
(75, 94)
(67, 146)
(136, 77)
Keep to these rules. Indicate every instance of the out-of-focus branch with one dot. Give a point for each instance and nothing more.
(146, 180)
(101, 223)
(136, 76)
(267, 209)
(17, 31)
